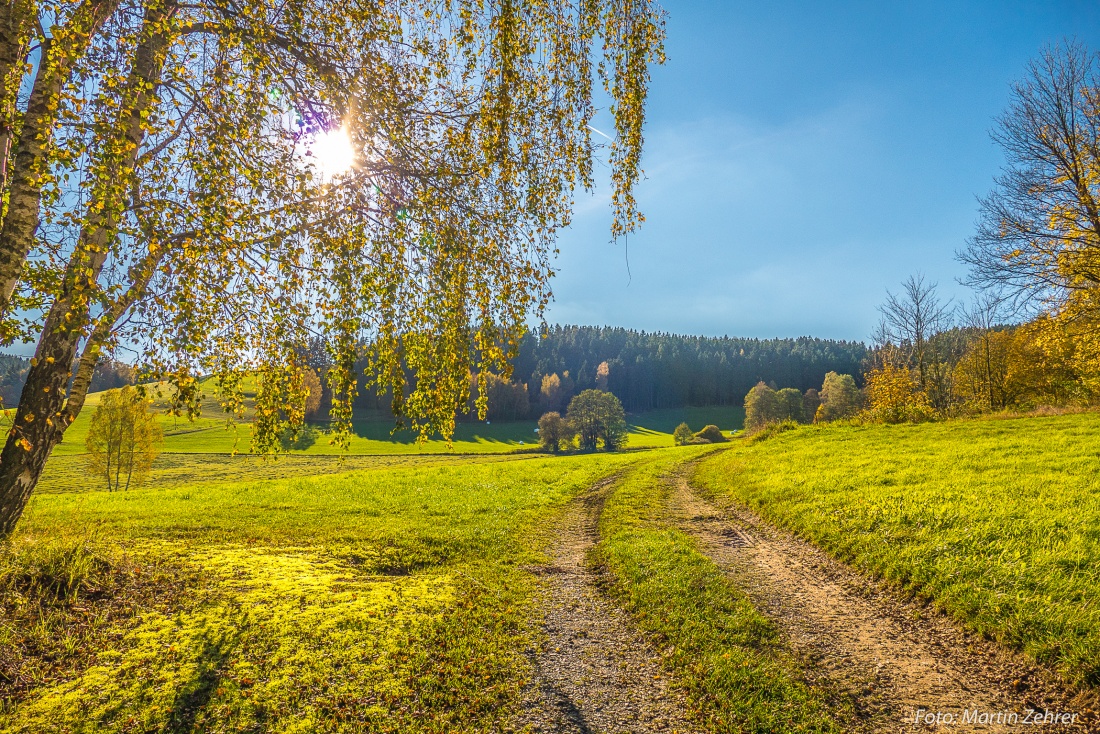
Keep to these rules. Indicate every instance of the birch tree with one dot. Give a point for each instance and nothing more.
(170, 188)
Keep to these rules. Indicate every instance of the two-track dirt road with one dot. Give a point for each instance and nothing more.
(888, 656)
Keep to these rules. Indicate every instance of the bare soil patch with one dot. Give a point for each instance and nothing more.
(594, 672)
(891, 656)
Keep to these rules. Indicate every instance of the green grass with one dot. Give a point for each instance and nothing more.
(68, 473)
(729, 659)
(389, 592)
(997, 521)
(203, 449)
(212, 434)
(654, 428)
(392, 599)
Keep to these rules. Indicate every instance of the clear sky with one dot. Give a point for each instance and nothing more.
(804, 157)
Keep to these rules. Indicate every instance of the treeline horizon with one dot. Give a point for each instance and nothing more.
(645, 370)
(654, 370)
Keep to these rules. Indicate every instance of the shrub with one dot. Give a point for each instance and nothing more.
(682, 434)
(892, 397)
(711, 433)
(554, 432)
(774, 429)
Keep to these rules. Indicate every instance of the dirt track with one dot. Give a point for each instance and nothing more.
(889, 656)
(595, 672)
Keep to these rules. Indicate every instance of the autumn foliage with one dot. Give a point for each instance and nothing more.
(123, 439)
(162, 189)
(892, 397)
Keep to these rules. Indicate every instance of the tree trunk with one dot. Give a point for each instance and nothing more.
(39, 423)
(30, 156)
(44, 413)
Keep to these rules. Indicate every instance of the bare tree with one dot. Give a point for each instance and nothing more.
(910, 321)
(1038, 238)
(982, 316)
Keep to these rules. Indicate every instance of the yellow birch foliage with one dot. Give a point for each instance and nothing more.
(981, 374)
(1047, 365)
(123, 439)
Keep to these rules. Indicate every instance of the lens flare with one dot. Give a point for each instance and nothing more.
(333, 151)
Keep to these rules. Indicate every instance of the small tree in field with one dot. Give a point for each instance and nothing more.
(553, 432)
(790, 404)
(840, 398)
(597, 417)
(761, 407)
(123, 439)
(682, 434)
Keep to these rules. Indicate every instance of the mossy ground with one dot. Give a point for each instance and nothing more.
(386, 600)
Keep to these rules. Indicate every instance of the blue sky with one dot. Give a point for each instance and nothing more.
(804, 157)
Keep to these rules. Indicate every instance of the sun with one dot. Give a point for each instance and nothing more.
(333, 151)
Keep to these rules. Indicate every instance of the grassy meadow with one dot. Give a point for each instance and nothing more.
(395, 592)
(392, 599)
(313, 591)
(375, 435)
(210, 448)
(997, 521)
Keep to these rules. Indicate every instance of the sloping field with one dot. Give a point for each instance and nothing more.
(211, 434)
(997, 521)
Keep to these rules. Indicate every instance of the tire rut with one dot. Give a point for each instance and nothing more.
(887, 655)
(595, 672)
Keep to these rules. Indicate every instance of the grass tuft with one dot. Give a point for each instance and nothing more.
(771, 430)
(61, 568)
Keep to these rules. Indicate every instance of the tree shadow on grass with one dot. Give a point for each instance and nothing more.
(195, 695)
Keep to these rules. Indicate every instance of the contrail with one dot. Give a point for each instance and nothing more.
(601, 133)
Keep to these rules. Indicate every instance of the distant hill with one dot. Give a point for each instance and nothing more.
(650, 370)
(13, 373)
